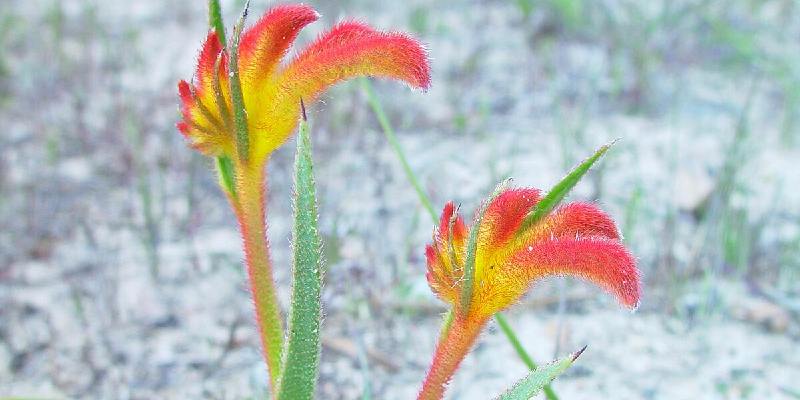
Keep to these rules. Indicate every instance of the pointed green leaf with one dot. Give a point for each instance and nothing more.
(521, 353)
(472, 248)
(301, 362)
(560, 190)
(237, 99)
(529, 386)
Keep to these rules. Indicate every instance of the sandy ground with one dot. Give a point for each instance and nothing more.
(120, 274)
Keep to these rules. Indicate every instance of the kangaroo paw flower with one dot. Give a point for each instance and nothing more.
(575, 239)
(272, 91)
(244, 102)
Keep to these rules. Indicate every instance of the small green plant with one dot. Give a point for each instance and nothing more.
(243, 104)
(518, 236)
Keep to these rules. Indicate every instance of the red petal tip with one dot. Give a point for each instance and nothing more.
(183, 127)
(185, 92)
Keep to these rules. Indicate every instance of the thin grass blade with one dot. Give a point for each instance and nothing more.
(388, 131)
(377, 108)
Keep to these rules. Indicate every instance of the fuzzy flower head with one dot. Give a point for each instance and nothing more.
(272, 90)
(576, 239)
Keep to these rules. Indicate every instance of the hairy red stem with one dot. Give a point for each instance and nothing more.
(453, 346)
(250, 210)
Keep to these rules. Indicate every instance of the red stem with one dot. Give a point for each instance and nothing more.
(250, 210)
(450, 351)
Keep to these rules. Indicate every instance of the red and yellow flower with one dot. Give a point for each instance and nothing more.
(576, 239)
(272, 91)
(241, 115)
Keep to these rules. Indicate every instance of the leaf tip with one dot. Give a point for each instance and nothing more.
(579, 352)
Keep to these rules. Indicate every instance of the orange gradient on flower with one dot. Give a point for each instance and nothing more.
(575, 239)
(272, 90)
(271, 96)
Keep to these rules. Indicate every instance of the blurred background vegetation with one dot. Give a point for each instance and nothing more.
(120, 271)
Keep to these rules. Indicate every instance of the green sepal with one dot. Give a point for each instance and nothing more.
(215, 20)
(560, 190)
(447, 322)
(219, 98)
(237, 99)
(226, 172)
(472, 248)
(529, 386)
(301, 355)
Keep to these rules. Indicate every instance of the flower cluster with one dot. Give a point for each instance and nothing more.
(272, 91)
(483, 269)
(576, 239)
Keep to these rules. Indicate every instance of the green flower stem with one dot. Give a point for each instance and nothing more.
(388, 131)
(215, 20)
(245, 185)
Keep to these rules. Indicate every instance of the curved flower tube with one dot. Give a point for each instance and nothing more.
(272, 91)
(576, 239)
(241, 115)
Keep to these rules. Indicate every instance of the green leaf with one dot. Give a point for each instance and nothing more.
(529, 386)
(472, 248)
(239, 113)
(521, 353)
(560, 190)
(301, 362)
